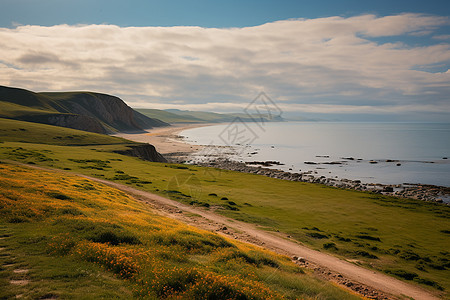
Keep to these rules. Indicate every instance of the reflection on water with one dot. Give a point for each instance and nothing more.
(388, 153)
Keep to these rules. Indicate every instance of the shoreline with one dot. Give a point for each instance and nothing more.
(166, 139)
(171, 145)
(423, 192)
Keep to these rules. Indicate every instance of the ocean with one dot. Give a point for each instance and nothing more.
(386, 153)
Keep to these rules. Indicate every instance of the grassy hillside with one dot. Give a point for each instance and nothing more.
(64, 236)
(87, 111)
(29, 132)
(168, 117)
(187, 116)
(405, 238)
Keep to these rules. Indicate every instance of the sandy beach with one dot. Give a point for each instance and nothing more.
(166, 139)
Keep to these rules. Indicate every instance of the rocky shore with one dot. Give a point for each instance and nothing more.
(406, 190)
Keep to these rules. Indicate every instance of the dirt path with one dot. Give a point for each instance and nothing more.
(351, 274)
(368, 283)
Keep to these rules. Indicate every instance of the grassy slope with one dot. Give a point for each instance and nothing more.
(168, 116)
(26, 105)
(13, 110)
(73, 238)
(411, 233)
(28, 132)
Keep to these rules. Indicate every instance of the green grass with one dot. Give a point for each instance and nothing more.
(28, 132)
(13, 110)
(78, 239)
(381, 232)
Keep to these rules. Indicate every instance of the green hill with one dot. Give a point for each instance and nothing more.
(43, 134)
(187, 116)
(86, 111)
(168, 116)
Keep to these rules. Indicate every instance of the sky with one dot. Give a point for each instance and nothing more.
(332, 60)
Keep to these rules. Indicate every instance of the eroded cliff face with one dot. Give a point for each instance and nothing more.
(108, 109)
(100, 113)
(145, 152)
(77, 122)
(73, 121)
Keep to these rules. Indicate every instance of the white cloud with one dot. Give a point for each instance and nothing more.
(327, 64)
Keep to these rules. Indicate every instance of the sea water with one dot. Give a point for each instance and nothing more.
(386, 153)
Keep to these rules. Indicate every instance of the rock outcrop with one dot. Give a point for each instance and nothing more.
(143, 151)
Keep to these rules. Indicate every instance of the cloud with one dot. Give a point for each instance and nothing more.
(313, 65)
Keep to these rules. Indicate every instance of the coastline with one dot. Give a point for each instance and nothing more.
(171, 145)
(166, 139)
(423, 192)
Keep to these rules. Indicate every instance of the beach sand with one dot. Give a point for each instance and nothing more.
(166, 139)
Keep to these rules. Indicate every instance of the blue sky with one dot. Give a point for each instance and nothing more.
(371, 60)
(206, 13)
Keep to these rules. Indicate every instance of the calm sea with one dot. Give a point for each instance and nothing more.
(387, 153)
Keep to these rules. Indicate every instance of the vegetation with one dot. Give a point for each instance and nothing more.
(64, 236)
(379, 232)
(28, 132)
(89, 111)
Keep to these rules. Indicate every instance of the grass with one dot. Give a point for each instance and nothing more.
(77, 237)
(379, 232)
(28, 132)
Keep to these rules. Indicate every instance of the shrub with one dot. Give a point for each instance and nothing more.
(365, 254)
(18, 219)
(409, 255)
(58, 195)
(316, 235)
(229, 207)
(428, 282)
(402, 274)
(368, 237)
(329, 246)
(71, 211)
(115, 238)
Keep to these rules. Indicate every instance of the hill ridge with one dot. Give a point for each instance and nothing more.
(88, 111)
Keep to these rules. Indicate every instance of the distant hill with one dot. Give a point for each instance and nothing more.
(86, 111)
(187, 116)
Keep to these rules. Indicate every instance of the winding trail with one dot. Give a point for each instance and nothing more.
(389, 286)
(280, 244)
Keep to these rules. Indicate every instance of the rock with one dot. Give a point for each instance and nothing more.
(143, 151)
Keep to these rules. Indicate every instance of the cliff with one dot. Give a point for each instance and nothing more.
(143, 151)
(87, 111)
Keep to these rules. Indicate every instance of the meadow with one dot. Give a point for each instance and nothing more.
(64, 236)
(404, 238)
